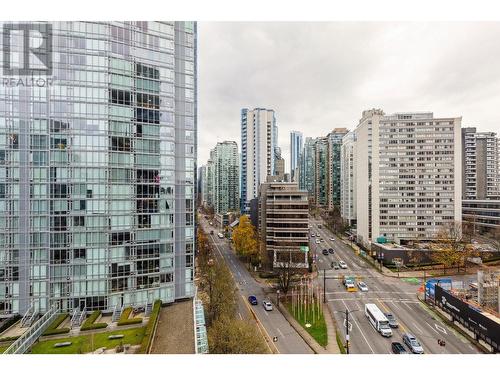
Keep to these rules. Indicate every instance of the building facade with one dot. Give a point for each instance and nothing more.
(484, 214)
(98, 170)
(408, 175)
(307, 167)
(347, 179)
(284, 224)
(224, 177)
(259, 147)
(296, 145)
(480, 164)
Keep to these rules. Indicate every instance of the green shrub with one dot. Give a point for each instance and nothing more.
(148, 334)
(6, 339)
(9, 322)
(340, 343)
(89, 324)
(53, 330)
(124, 320)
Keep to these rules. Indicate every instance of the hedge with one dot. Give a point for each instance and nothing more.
(124, 320)
(7, 339)
(89, 324)
(53, 330)
(150, 328)
(9, 322)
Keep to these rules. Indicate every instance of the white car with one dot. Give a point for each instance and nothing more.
(267, 305)
(362, 286)
(220, 235)
(332, 239)
(342, 265)
(318, 241)
(313, 235)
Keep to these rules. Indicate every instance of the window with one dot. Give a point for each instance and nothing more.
(79, 221)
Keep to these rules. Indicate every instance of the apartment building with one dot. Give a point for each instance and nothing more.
(223, 184)
(259, 148)
(98, 169)
(296, 145)
(284, 223)
(408, 175)
(347, 179)
(480, 165)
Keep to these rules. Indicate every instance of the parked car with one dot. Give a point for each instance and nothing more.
(343, 265)
(332, 239)
(335, 265)
(253, 300)
(267, 305)
(398, 348)
(317, 240)
(220, 235)
(412, 343)
(325, 252)
(313, 235)
(362, 286)
(330, 250)
(393, 323)
(321, 240)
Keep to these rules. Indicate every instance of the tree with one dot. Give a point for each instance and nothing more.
(451, 247)
(245, 238)
(285, 274)
(234, 336)
(334, 220)
(221, 293)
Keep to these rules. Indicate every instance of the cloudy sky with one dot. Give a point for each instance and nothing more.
(319, 76)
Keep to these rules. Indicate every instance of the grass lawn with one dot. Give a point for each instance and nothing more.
(82, 344)
(317, 329)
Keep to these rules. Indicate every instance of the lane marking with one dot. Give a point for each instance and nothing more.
(360, 330)
(281, 333)
(417, 327)
(440, 329)
(431, 327)
(240, 315)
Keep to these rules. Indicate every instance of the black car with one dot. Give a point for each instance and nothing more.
(325, 252)
(393, 323)
(398, 348)
(330, 250)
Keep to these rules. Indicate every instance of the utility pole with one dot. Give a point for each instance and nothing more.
(347, 330)
(324, 285)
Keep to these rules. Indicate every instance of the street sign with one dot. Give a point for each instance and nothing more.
(347, 337)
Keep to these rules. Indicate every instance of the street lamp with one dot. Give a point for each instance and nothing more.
(346, 313)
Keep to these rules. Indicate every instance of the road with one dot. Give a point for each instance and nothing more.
(398, 296)
(289, 341)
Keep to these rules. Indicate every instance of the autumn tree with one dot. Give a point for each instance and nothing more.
(221, 292)
(245, 239)
(235, 336)
(452, 247)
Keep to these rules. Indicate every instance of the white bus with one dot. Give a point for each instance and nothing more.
(378, 320)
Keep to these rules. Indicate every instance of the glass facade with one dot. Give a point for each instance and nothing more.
(97, 170)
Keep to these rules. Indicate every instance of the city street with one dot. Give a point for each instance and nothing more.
(398, 296)
(289, 341)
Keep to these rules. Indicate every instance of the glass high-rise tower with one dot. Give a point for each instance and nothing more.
(97, 169)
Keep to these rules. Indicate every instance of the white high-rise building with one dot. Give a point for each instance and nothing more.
(259, 145)
(481, 165)
(295, 151)
(408, 175)
(347, 179)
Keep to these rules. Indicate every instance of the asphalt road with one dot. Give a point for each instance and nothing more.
(398, 296)
(289, 341)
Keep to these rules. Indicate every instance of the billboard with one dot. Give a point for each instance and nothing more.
(485, 328)
(431, 284)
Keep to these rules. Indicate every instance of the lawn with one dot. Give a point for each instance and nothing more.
(318, 327)
(83, 344)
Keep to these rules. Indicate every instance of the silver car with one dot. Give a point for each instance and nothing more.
(412, 343)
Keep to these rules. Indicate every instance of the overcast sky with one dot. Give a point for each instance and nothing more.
(319, 76)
